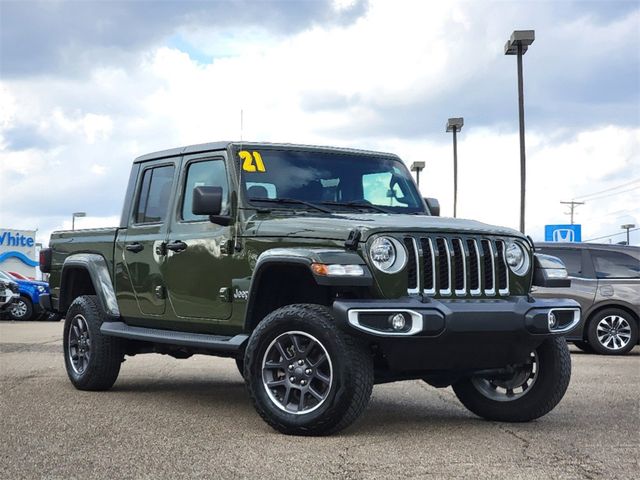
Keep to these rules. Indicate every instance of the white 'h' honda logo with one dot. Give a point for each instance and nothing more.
(563, 235)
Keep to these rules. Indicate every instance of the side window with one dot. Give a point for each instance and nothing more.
(615, 264)
(209, 173)
(572, 259)
(153, 200)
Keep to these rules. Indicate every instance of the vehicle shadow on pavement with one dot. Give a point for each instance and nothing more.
(633, 353)
(214, 387)
(387, 416)
(230, 399)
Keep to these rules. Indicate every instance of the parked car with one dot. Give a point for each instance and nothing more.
(322, 271)
(605, 280)
(27, 306)
(18, 276)
(9, 293)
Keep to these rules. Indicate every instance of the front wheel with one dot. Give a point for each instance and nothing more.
(529, 392)
(304, 375)
(22, 309)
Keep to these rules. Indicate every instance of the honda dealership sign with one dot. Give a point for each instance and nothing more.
(18, 251)
(563, 233)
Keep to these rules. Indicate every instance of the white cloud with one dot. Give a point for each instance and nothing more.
(98, 169)
(312, 87)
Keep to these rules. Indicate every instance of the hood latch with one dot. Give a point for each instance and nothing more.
(351, 243)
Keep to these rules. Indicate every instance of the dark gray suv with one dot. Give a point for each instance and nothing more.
(605, 280)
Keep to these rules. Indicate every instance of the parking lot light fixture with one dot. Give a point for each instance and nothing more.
(455, 125)
(417, 167)
(627, 227)
(74, 216)
(518, 44)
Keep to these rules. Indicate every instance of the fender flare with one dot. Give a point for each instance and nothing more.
(305, 257)
(96, 266)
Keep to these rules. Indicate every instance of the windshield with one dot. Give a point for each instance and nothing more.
(335, 181)
(5, 276)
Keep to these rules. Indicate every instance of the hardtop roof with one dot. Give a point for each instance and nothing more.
(221, 145)
(582, 245)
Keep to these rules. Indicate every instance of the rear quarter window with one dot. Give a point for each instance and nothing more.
(615, 264)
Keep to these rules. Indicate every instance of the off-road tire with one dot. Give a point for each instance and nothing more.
(553, 379)
(584, 346)
(352, 371)
(592, 333)
(107, 352)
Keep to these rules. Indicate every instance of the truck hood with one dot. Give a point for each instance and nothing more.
(31, 283)
(338, 226)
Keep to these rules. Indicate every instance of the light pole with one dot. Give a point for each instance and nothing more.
(74, 216)
(455, 125)
(627, 227)
(518, 45)
(417, 167)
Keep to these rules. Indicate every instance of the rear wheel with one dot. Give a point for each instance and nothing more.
(305, 376)
(21, 309)
(529, 392)
(613, 332)
(92, 359)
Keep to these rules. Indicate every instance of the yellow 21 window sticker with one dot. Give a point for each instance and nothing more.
(251, 163)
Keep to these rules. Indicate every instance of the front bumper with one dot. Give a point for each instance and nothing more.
(7, 299)
(457, 334)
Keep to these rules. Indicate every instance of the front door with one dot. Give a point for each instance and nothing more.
(197, 270)
(144, 238)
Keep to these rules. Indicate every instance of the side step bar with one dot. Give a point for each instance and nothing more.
(218, 343)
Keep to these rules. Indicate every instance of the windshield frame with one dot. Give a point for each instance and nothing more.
(245, 201)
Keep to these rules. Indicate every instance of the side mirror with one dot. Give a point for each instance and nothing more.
(434, 206)
(549, 271)
(207, 200)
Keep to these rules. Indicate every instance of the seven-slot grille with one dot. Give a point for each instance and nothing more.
(456, 267)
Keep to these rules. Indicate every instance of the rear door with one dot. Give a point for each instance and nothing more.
(199, 262)
(618, 274)
(145, 236)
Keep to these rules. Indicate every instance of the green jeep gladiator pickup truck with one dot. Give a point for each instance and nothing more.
(321, 271)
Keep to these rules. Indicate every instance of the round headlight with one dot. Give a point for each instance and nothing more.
(41, 289)
(517, 258)
(388, 254)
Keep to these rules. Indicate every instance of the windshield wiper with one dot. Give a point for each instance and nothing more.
(357, 204)
(290, 200)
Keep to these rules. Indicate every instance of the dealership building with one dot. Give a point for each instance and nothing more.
(19, 252)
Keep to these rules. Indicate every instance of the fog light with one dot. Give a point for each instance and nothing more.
(397, 321)
(553, 321)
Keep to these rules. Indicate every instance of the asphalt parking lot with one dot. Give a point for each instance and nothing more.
(168, 418)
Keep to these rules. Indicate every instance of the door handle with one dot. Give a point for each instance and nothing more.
(134, 247)
(177, 246)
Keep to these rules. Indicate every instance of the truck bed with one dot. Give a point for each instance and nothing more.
(67, 242)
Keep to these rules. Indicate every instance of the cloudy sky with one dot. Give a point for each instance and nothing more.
(87, 86)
